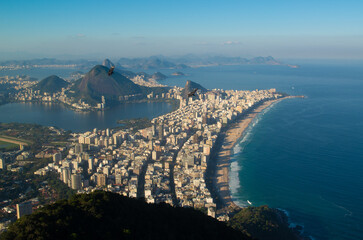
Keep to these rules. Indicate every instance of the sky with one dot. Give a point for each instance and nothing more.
(301, 29)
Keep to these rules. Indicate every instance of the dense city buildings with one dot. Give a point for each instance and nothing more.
(166, 162)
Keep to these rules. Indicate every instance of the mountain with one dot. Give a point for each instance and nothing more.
(193, 60)
(106, 215)
(190, 86)
(264, 60)
(107, 63)
(51, 84)
(160, 62)
(97, 83)
(158, 76)
(128, 74)
(154, 62)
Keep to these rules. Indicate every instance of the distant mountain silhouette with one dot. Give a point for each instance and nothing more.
(190, 86)
(96, 83)
(107, 63)
(128, 74)
(158, 76)
(264, 60)
(51, 84)
(154, 62)
(162, 62)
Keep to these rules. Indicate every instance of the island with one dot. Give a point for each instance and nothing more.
(178, 74)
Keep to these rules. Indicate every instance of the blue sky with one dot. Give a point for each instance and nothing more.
(284, 29)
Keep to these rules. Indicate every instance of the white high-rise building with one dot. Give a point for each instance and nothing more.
(66, 175)
(76, 182)
(2, 163)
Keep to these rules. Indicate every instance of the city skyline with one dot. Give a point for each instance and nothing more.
(93, 29)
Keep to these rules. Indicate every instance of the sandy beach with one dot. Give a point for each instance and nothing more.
(230, 137)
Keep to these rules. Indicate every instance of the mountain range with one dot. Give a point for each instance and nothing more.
(153, 62)
(162, 62)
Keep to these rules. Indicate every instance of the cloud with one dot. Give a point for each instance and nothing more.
(80, 35)
(231, 43)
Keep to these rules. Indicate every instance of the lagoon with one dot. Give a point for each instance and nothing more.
(58, 115)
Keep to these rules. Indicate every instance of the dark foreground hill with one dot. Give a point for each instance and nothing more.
(51, 84)
(105, 215)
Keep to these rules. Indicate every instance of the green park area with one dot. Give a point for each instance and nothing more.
(6, 146)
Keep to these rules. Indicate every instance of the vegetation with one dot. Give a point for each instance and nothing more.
(19, 187)
(97, 83)
(6, 146)
(35, 165)
(105, 215)
(51, 84)
(35, 135)
(263, 223)
(136, 123)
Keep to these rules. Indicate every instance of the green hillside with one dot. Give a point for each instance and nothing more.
(263, 223)
(97, 83)
(105, 215)
(51, 84)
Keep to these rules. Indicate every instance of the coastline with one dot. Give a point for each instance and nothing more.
(230, 137)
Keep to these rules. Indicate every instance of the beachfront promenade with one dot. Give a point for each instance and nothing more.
(230, 138)
(169, 161)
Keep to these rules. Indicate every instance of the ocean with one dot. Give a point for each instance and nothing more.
(304, 156)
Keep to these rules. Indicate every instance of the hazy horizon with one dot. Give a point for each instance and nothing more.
(93, 29)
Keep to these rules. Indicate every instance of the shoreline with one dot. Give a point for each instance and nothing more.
(230, 137)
